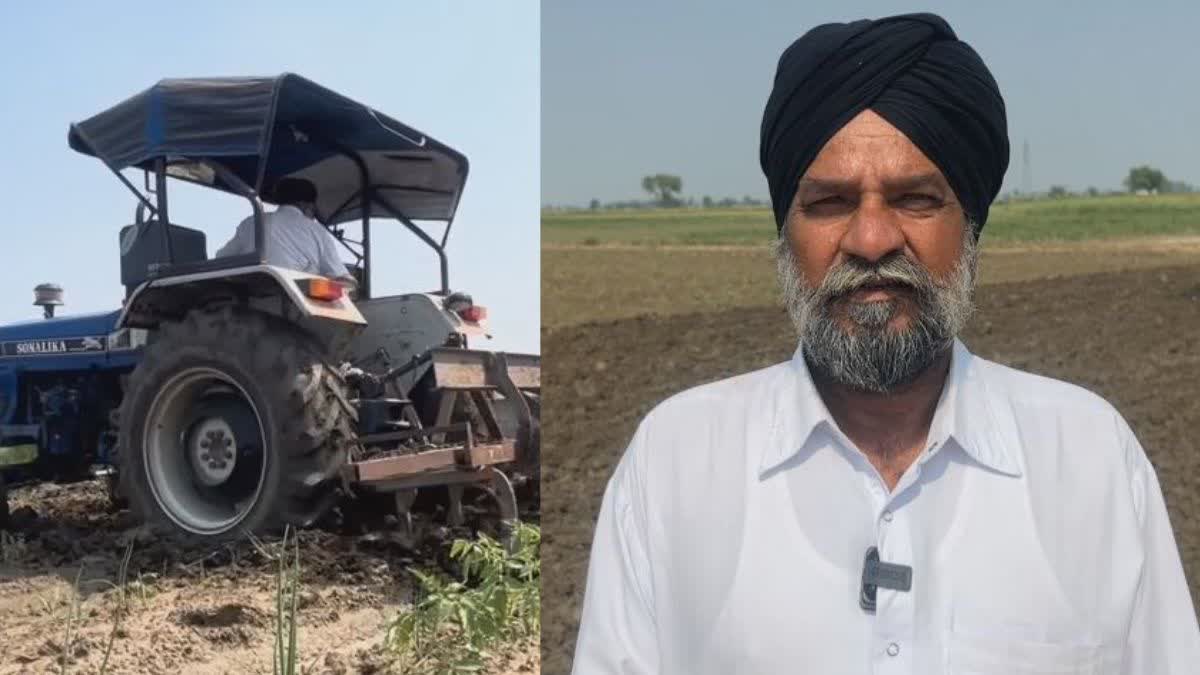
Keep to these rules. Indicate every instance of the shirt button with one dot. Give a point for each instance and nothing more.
(887, 515)
(893, 649)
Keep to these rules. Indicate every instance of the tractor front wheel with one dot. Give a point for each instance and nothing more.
(233, 422)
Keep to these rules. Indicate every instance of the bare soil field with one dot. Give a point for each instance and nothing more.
(1129, 331)
(204, 611)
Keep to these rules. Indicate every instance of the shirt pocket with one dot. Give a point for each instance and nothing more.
(994, 653)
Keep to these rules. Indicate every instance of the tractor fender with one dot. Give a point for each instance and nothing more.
(171, 297)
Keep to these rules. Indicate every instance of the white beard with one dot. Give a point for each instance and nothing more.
(873, 357)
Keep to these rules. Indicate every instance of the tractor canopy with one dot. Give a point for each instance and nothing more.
(265, 128)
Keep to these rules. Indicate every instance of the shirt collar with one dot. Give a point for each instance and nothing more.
(966, 413)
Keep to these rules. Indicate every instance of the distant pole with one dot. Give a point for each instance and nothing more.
(1026, 170)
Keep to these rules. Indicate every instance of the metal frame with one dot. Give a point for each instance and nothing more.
(368, 195)
(120, 176)
(455, 372)
(440, 249)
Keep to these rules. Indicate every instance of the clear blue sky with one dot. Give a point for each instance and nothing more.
(631, 88)
(465, 73)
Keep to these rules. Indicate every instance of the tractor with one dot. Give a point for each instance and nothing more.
(227, 395)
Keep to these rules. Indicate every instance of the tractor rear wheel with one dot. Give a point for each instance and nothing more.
(233, 422)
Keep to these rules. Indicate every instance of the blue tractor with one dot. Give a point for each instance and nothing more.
(228, 395)
(60, 380)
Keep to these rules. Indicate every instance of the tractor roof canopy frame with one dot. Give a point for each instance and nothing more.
(241, 134)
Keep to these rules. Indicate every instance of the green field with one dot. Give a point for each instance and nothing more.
(1070, 219)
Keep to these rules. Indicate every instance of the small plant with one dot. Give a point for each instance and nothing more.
(287, 589)
(143, 586)
(286, 655)
(122, 608)
(454, 623)
(72, 624)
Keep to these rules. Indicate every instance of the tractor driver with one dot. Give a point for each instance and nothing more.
(295, 240)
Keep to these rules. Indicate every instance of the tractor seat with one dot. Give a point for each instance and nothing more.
(144, 250)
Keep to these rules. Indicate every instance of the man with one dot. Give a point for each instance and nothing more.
(886, 502)
(294, 239)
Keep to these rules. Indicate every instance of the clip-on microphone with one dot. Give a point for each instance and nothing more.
(878, 574)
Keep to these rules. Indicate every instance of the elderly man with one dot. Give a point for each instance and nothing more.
(885, 502)
(295, 240)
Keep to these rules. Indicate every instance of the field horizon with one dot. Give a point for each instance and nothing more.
(1037, 220)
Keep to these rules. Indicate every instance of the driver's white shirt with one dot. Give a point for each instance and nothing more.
(293, 240)
(732, 535)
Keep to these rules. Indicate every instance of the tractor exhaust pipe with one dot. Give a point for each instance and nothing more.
(47, 296)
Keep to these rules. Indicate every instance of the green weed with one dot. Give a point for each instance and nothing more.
(455, 622)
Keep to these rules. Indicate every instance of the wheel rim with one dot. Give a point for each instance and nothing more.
(203, 451)
(211, 450)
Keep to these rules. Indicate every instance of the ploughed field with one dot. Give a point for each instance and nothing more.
(627, 326)
(213, 609)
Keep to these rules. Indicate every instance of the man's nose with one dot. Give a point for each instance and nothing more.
(873, 231)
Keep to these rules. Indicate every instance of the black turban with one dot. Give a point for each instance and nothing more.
(915, 73)
(290, 190)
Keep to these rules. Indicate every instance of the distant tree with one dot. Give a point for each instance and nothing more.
(594, 204)
(1145, 178)
(1057, 191)
(650, 185)
(707, 202)
(664, 187)
(1177, 186)
(1093, 192)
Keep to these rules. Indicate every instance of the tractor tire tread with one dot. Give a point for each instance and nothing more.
(312, 430)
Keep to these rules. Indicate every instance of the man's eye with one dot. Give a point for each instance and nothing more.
(826, 202)
(916, 200)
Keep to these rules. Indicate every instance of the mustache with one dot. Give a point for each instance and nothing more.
(856, 273)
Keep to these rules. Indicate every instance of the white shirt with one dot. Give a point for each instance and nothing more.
(294, 241)
(732, 535)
